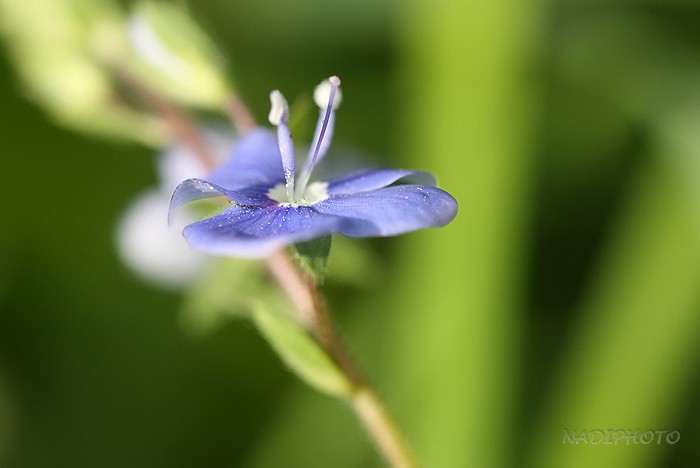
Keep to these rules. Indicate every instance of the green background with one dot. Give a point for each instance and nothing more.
(565, 295)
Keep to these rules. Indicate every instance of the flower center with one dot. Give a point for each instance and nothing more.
(297, 190)
(315, 192)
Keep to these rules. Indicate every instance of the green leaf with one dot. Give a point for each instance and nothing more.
(185, 65)
(226, 290)
(300, 351)
(313, 256)
(354, 264)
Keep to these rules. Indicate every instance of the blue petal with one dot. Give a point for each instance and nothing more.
(390, 211)
(196, 189)
(367, 180)
(258, 231)
(254, 162)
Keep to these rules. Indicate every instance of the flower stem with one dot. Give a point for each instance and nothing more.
(315, 317)
(175, 118)
(382, 428)
(239, 114)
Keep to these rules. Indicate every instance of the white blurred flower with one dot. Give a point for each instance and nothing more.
(153, 250)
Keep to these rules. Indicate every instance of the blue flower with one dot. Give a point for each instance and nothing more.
(272, 206)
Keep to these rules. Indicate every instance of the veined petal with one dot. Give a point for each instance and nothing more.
(390, 211)
(373, 179)
(196, 189)
(254, 163)
(258, 231)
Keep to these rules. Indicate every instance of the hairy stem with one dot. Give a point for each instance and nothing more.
(382, 428)
(312, 312)
(240, 115)
(178, 122)
(315, 317)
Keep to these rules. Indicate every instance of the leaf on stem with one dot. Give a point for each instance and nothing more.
(226, 290)
(300, 351)
(313, 257)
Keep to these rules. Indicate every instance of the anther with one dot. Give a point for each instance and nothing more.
(322, 93)
(279, 110)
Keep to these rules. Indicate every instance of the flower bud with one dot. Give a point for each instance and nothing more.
(174, 56)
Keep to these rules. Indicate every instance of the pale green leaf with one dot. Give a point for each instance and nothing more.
(301, 352)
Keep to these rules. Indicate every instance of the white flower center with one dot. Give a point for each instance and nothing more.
(315, 192)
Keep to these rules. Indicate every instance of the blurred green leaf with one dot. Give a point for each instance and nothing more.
(57, 49)
(175, 56)
(354, 263)
(234, 287)
(227, 289)
(313, 256)
(298, 349)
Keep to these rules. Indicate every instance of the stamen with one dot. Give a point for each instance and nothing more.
(279, 109)
(279, 116)
(327, 96)
(322, 93)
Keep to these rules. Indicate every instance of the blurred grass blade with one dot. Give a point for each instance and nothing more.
(635, 346)
(470, 121)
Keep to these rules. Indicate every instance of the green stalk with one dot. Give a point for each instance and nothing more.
(470, 118)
